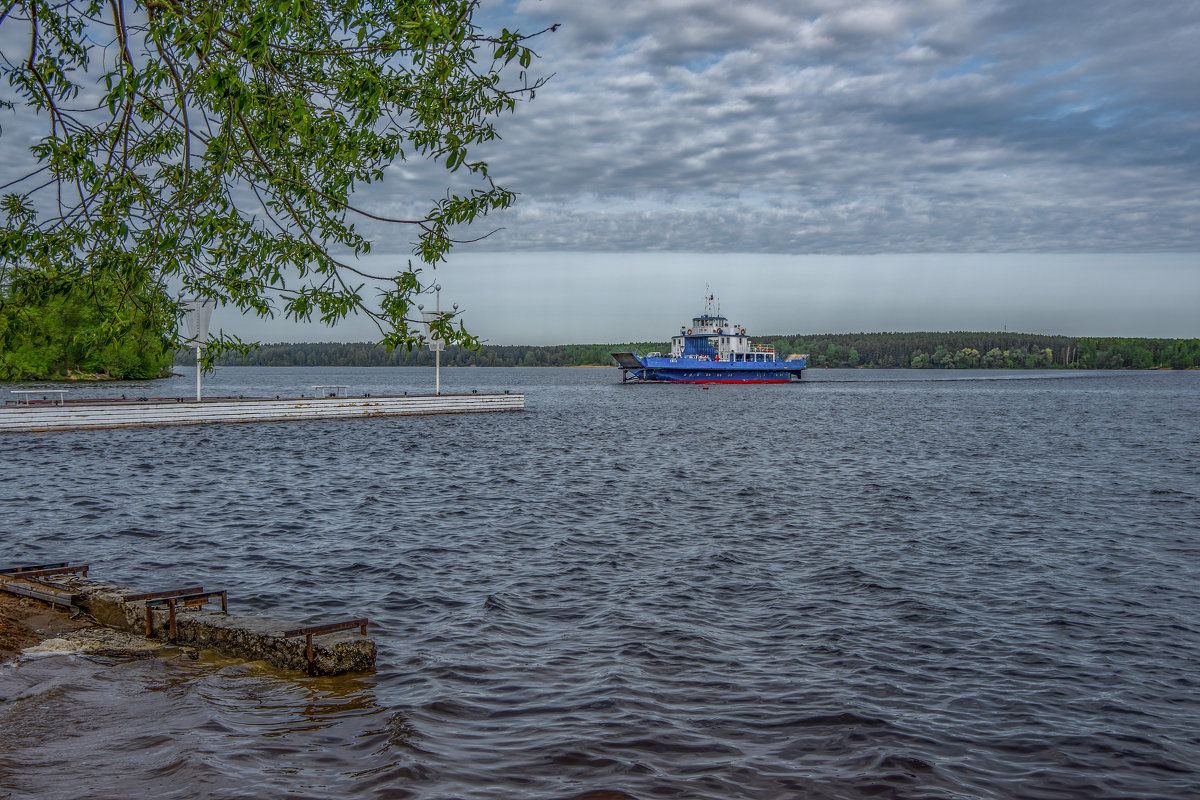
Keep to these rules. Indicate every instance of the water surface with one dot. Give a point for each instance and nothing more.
(872, 584)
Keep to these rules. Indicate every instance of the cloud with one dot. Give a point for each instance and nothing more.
(828, 126)
(796, 127)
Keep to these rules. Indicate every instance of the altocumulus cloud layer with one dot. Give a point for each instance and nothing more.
(826, 126)
(831, 127)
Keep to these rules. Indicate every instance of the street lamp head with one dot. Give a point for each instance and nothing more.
(456, 306)
(437, 287)
(420, 307)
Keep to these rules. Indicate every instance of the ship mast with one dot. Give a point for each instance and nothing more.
(709, 301)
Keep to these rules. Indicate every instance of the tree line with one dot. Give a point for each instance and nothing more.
(922, 350)
(990, 350)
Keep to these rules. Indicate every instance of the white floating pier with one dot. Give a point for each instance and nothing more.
(88, 414)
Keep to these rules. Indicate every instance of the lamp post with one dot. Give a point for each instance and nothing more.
(197, 314)
(437, 353)
(435, 342)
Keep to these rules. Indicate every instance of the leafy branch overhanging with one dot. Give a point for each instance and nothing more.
(214, 148)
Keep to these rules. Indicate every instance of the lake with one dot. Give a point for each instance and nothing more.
(897, 584)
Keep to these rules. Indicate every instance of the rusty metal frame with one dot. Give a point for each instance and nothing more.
(38, 591)
(317, 630)
(188, 600)
(46, 571)
(151, 597)
(132, 598)
(35, 588)
(15, 570)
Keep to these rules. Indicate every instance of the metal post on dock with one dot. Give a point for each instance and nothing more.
(437, 354)
(197, 313)
(435, 341)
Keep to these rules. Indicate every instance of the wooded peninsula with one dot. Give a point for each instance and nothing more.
(956, 350)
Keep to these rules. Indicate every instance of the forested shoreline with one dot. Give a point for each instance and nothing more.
(923, 350)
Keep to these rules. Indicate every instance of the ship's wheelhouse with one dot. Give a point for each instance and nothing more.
(712, 337)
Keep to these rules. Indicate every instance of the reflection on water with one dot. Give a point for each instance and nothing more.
(180, 728)
(885, 584)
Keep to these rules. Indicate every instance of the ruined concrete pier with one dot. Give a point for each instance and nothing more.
(186, 617)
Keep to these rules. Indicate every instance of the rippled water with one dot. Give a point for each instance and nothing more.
(871, 584)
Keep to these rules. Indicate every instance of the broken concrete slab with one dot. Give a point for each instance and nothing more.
(251, 638)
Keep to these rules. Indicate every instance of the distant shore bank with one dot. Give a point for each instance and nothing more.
(926, 350)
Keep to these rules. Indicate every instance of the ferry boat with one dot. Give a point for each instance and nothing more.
(712, 351)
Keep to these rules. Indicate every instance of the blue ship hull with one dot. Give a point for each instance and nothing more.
(694, 370)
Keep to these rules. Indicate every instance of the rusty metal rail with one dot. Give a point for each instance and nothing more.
(131, 598)
(170, 597)
(29, 586)
(38, 591)
(47, 571)
(196, 599)
(318, 630)
(15, 570)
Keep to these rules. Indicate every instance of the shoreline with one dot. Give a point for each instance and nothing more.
(26, 622)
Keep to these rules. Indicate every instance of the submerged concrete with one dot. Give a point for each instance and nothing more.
(251, 638)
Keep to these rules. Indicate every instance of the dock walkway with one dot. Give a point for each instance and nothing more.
(89, 414)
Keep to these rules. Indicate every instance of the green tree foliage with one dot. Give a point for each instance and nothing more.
(216, 147)
(46, 334)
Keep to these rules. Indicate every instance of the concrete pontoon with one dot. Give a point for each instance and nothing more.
(56, 414)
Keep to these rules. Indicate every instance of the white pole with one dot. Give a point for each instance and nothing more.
(198, 373)
(437, 354)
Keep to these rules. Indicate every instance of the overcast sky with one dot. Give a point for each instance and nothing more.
(823, 164)
(834, 165)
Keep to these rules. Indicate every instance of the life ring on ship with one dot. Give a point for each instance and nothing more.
(743, 331)
(689, 331)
